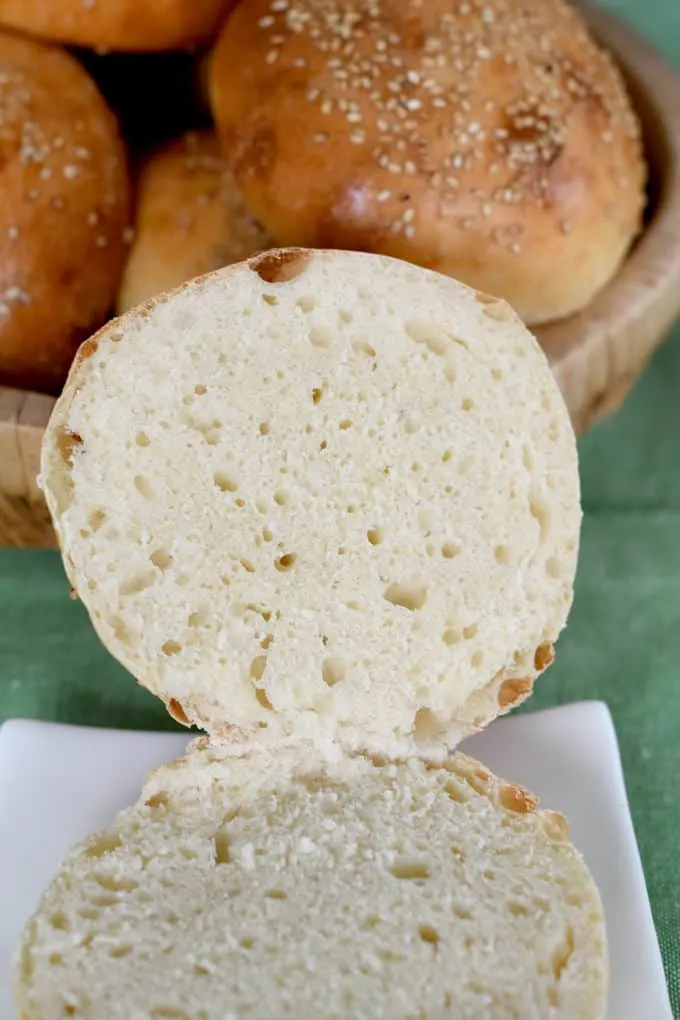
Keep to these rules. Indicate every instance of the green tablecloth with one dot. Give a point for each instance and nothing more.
(622, 645)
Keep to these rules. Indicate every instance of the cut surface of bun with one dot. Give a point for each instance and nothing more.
(291, 887)
(493, 141)
(320, 493)
(190, 219)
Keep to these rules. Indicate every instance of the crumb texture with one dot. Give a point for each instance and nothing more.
(328, 493)
(289, 887)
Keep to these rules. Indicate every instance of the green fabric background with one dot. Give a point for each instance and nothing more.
(622, 644)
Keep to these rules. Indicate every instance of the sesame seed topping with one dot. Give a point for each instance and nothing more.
(411, 87)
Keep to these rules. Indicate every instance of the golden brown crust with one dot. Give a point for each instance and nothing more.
(491, 140)
(132, 25)
(190, 219)
(65, 211)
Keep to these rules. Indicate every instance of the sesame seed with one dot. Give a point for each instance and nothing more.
(383, 195)
(70, 171)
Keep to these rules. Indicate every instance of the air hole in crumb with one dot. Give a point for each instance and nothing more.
(247, 565)
(410, 870)
(171, 648)
(262, 698)
(143, 486)
(374, 536)
(320, 337)
(517, 909)
(539, 511)
(280, 497)
(450, 550)
(470, 632)
(477, 659)
(137, 583)
(462, 913)
(408, 596)
(225, 481)
(56, 959)
(59, 921)
(467, 404)
(247, 942)
(285, 562)
(323, 445)
(115, 883)
(428, 934)
(200, 390)
(269, 299)
(222, 855)
(306, 305)
(197, 619)
(552, 567)
(345, 316)
(563, 953)
(258, 666)
(95, 519)
(426, 726)
(266, 641)
(317, 395)
(447, 456)
(345, 424)
(451, 636)
(450, 374)
(265, 428)
(428, 334)
(502, 554)
(280, 266)
(104, 844)
(333, 671)
(455, 791)
(496, 374)
(363, 347)
(161, 558)
(118, 952)
(276, 894)
(141, 439)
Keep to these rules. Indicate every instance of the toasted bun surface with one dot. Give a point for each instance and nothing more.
(321, 492)
(493, 141)
(283, 886)
(190, 219)
(64, 212)
(131, 25)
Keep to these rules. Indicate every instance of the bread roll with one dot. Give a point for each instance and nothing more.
(131, 25)
(190, 219)
(492, 141)
(287, 887)
(64, 213)
(320, 493)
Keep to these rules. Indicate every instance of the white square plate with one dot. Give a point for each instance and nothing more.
(60, 783)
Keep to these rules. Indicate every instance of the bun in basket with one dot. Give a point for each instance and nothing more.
(325, 494)
(493, 141)
(65, 210)
(190, 219)
(291, 887)
(128, 25)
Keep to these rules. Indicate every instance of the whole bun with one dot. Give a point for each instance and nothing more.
(64, 213)
(190, 219)
(131, 25)
(493, 141)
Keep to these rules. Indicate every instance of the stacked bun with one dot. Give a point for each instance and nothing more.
(65, 211)
(492, 141)
(190, 219)
(326, 506)
(128, 25)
